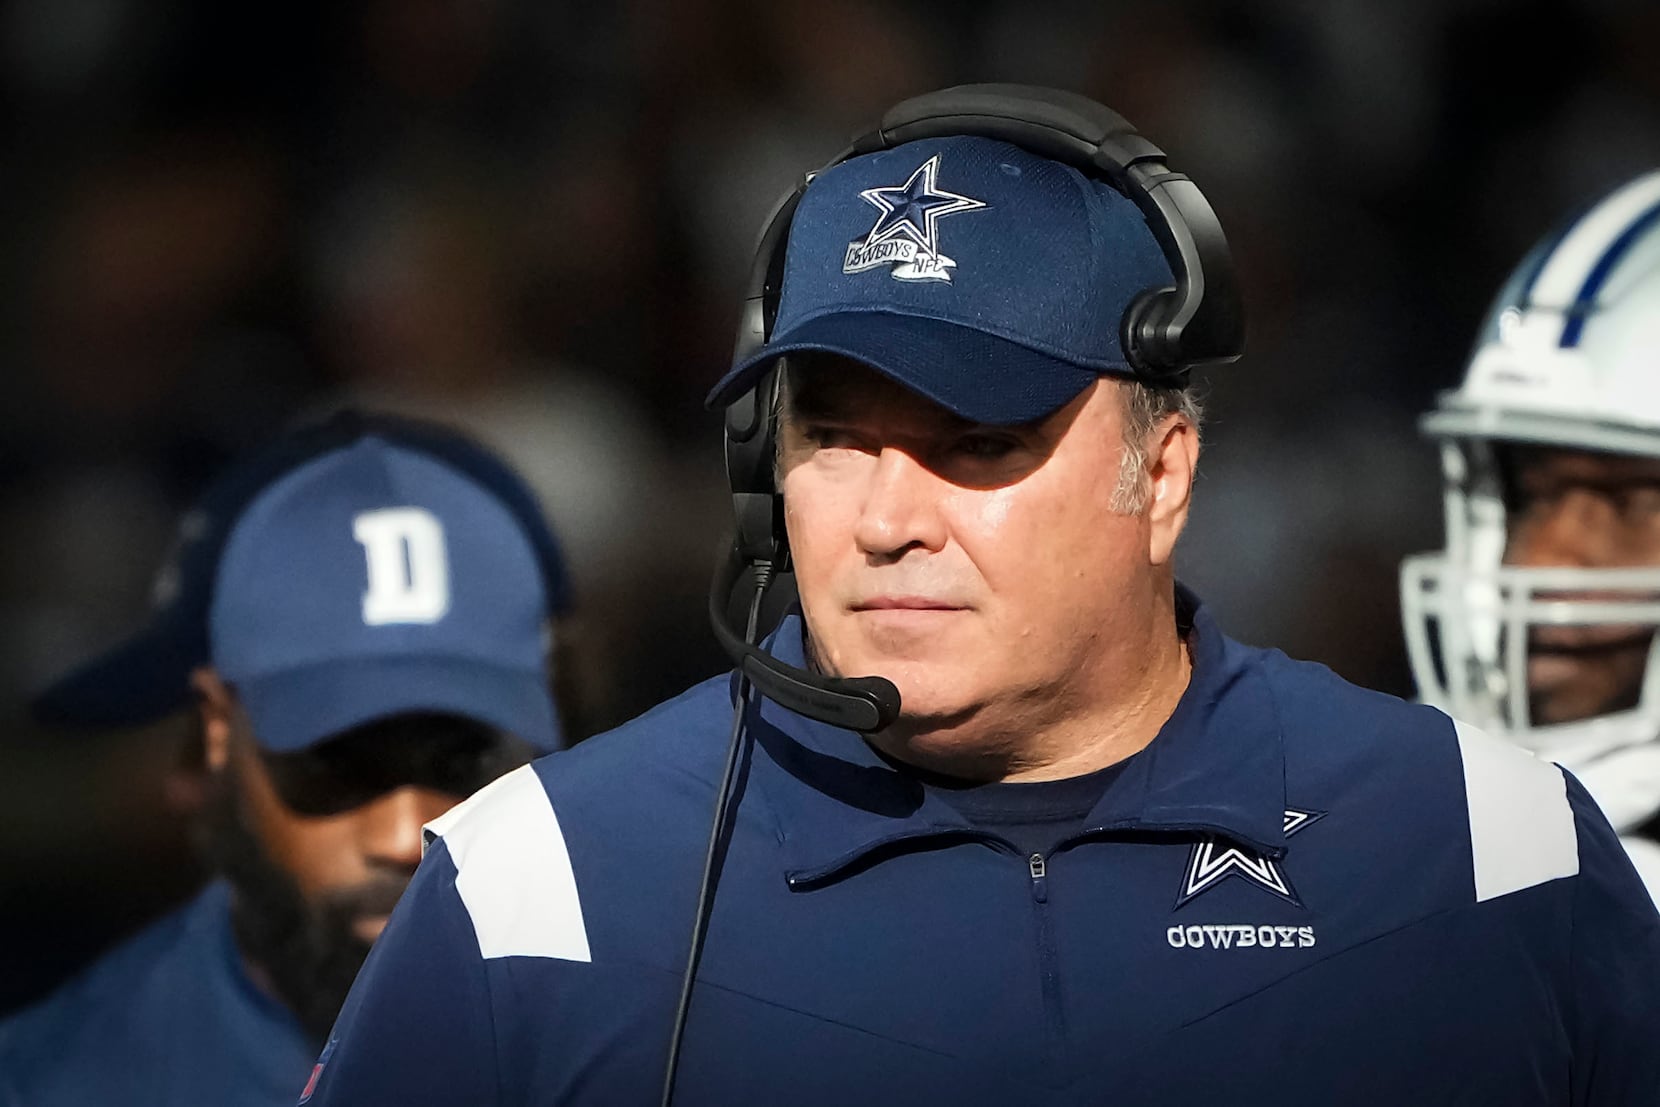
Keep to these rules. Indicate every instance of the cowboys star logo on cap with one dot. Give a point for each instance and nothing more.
(906, 234)
(1212, 861)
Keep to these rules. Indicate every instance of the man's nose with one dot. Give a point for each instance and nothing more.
(901, 509)
(390, 831)
(1576, 530)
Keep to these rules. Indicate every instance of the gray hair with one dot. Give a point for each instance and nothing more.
(1145, 409)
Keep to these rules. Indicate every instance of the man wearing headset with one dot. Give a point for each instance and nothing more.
(359, 614)
(1088, 849)
(1538, 620)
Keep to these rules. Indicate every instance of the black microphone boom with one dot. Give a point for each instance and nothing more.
(864, 704)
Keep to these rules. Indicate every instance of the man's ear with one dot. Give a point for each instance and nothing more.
(1170, 466)
(217, 708)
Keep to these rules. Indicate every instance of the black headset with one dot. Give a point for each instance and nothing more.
(1166, 332)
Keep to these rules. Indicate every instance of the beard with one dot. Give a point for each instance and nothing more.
(306, 947)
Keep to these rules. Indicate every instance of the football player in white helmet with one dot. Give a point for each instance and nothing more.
(1539, 620)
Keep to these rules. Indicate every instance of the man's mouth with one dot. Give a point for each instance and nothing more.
(368, 927)
(367, 908)
(1587, 642)
(1560, 659)
(907, 603)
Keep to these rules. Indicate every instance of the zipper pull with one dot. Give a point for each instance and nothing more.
(1040, 871)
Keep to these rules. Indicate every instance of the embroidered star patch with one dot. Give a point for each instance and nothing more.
(1213, 860)
(906, 234)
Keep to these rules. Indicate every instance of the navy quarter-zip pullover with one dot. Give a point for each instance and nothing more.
(1299, 893)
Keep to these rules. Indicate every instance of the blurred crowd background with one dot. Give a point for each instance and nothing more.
(533, 218)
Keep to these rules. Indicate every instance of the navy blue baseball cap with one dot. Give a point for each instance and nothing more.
(357, 568)
(986, 278)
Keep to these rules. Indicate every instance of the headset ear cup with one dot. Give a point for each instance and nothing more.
(1147, 342)
(773, 416)
(752, 328)
(751, 462)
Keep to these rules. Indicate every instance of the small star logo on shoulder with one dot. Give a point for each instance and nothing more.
(906, 234)
(1211, 861)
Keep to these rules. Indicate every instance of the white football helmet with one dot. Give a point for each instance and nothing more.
(1569, 357)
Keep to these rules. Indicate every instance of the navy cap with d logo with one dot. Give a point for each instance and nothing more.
(359, 568)
(984, 277)
(372, 581)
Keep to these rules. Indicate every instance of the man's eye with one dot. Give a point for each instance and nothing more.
(1637, 502)
(830, 438)
(987, 447)
(1524, 498)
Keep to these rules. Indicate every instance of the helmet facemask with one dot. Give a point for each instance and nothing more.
(1470, 619)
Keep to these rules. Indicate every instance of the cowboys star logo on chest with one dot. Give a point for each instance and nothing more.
(1213, 860)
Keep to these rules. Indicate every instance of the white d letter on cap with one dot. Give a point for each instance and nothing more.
(409, 571)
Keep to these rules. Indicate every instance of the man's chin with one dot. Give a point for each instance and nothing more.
(923, 696)
(932, 696)
(955, 744)
(933, 718)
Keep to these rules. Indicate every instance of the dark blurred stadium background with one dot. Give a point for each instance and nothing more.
(533, 218)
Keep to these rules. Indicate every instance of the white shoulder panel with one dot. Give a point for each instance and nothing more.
(1521, 828)
(513, 871)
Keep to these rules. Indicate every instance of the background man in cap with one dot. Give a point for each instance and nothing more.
(1100, 853)
(362, 613)
(1539, 619)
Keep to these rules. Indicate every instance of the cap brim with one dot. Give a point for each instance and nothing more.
(979, 376)
(145, 678)
(299, 707)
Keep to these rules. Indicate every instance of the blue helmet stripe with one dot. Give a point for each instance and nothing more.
(1585, 302)
(1534, 264)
